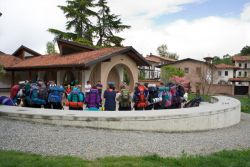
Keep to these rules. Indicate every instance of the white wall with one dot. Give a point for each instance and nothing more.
(223, 76)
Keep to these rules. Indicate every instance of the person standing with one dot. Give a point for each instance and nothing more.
(109, 96)
(87, 87)
(99, 87)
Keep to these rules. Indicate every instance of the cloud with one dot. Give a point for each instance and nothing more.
(214, 36)
(25, 22)
(245, 15)
(147, 8)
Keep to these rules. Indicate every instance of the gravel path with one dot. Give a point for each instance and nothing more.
(93, 143)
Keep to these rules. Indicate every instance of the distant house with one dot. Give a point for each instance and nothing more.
(153, 72)
(195, 70)
(243, 72)
(223, 73)
(241, 78)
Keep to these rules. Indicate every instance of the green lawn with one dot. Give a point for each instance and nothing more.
(245, 104)
(220, 159)
(205, 98)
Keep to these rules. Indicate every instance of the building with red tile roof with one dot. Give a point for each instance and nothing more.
(76, 62)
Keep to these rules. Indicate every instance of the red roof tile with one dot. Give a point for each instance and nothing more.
(8, 60)
(226, 66)
(55, 60)
(162, 58)
(241, 58)
(153, 59)
(76, 59)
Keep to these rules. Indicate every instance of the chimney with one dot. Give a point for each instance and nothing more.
(208, 60)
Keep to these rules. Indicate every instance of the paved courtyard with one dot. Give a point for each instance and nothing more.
(93, 143)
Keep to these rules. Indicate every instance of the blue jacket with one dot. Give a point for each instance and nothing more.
(110, 103)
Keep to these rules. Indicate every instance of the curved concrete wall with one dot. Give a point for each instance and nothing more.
(223, 113)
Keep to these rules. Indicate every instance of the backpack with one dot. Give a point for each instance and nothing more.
(153, 94)
(125, 100)
(13, 91)
(55, 95)
(74, 96)
(34, 97)
(75, 99)
(93, 99)
(42, 93)
(141, 97)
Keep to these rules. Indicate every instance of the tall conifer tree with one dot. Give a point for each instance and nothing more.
(107, 25)
(78, 13)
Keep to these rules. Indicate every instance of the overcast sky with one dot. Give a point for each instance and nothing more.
(190, 28)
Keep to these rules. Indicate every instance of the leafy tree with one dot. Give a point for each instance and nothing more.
(227, 59)
(107, 24)
(245, 51)
(173, 56)
(50, 46)
(78, 13)
(126, 77)
(142, 74)
(168, 72)
(163, 51)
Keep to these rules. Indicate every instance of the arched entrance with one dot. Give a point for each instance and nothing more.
(119, 74)
(95, 75)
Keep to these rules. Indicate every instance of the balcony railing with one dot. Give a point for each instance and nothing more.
(149, 74)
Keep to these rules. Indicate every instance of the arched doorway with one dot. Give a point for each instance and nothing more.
(119, 74)
(95, 75)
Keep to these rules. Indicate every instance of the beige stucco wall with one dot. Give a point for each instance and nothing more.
(193, 74)
(125, 60)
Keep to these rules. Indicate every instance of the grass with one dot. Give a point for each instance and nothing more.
(205, 98)
(245, 103)
(221, 159)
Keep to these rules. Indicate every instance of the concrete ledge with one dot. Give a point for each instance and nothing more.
(224, 112)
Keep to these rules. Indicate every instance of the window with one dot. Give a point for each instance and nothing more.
(245, 74)
(219, 73)
(239, 64)
(240, 74)
(226, 73)
(246, 65)
(186, 70)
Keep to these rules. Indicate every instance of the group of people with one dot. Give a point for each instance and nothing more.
(144, 96)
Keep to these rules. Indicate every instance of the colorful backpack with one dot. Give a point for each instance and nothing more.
(13, 91)
(75, 99)
(34, 97)
(55, 95)
(93, 99)
(6, 101)
(141, 97)
(125, 100)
